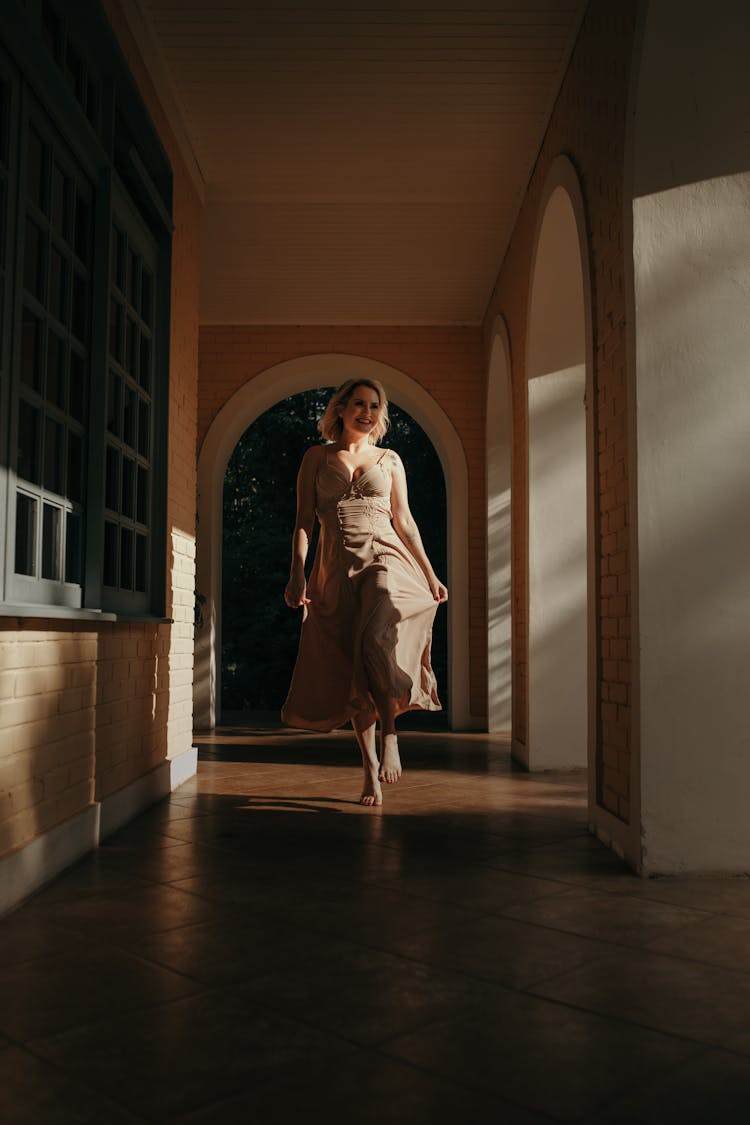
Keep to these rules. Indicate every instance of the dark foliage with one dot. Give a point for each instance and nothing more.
(260, 633)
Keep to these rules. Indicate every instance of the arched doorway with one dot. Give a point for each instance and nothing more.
(259, 634)
(256, 396)
(559, 469)
(499, 442)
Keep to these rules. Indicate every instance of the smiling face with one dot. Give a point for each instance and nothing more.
(360, 414)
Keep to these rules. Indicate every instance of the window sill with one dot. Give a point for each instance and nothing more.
(67, 613)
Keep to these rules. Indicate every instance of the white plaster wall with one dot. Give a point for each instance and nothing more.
(499, 439)
(558, 719)
(558, 639)
(691, 262)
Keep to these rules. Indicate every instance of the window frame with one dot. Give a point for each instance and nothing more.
(136, 179)
(23, 588)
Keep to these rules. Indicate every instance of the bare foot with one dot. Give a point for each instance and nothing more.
(372, 794)
(390, 760)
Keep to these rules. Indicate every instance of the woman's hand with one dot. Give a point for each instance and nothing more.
(438, 590)
(295, 594)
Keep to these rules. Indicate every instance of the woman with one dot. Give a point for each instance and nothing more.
(369, 605)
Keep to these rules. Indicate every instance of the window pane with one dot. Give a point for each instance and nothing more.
(74, 73)
(144, 428)
(77, 386)
(92, 103)
(58, 286)
(73, 569)
(114, 403)
(128, 487)
(134, 273)
(33, 263)
(140, 563)
(131, 347)
(25, 534)
(51, 29)
(74, 489)
(118, 259)
(141, 512)
(27, 458)
(4, 121)
(31, 351)
(126, 558)
(145, 368)
(59, 210)
(51, 542)
(79, 321)
(112, 480)
(53, 456)
(147, 297)
(36, 186)
(82, 222)
(129, 418)
(110, 553)
(115, 330)
(55, 389)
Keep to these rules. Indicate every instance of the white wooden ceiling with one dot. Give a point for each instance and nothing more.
(360, 163)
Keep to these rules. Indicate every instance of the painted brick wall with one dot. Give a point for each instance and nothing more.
(47, 716)
(86, 708)
(588, 125)
(447, 362)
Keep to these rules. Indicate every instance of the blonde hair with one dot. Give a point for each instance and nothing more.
(330, 425)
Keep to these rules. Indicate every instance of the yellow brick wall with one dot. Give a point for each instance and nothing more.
(447, 362)
(588, 125)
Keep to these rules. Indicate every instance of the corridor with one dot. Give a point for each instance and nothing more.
(259, 948)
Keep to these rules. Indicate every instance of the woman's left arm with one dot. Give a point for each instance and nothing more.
(406, 528)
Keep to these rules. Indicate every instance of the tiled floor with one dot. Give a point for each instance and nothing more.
(261, 949)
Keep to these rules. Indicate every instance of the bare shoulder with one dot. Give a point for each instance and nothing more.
(313, 456)
(392, 460)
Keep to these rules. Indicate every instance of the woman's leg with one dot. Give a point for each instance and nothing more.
(390, 759)
(364, 730)
(386, 682)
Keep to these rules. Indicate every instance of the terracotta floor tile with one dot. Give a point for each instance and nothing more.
(502, 950)
(217, 954)
(43, 997)
(580, 861)
(363, 994)
(714, 1087)
(718, 895)
(146, 910)
(687, 998)
(482, 888)
(605, 917)
(260, 947)
(547, 1057)
(35, 1093)
(370, 1090)
(27, 936)
(178, 1057)
(164, 865)
(370, 913)
(720, 939)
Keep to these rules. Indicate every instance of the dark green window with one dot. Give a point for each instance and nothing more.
(85, 234)
(48, 446)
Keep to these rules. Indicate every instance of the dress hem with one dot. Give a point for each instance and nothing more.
(325, 726)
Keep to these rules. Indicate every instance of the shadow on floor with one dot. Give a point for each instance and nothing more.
(261, 948)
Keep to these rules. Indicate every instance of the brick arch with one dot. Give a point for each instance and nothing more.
(250, 401)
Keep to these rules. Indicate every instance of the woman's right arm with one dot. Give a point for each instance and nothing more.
(295, 594)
